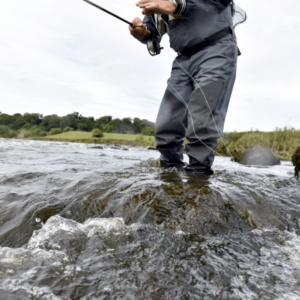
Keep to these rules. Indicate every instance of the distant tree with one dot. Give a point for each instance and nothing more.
(27, 126)
(86, 124)
(19, 122)
(83, 127)
(138, 124)
(16, 116)
(33, 119)
(52, 121)
(77, 115)
(65, 122)
(127, 121)
(73, 121)
(148, 123)
(6, 119)
(107, 128)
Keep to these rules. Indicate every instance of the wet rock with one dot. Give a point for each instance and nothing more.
(296, 162)
(151, 148)
(116, 147)
(256, 156)
(96, 147)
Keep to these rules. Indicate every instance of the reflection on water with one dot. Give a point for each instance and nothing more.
(84, 223)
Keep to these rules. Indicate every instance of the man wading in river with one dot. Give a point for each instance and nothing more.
(202, 77)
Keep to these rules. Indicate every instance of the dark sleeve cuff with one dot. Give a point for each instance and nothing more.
(144, 40)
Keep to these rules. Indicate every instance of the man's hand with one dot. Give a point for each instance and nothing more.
(139, 30)
(156, 7)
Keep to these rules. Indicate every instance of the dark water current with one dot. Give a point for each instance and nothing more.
(83, 223)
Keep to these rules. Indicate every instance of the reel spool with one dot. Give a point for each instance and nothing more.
(153, 45)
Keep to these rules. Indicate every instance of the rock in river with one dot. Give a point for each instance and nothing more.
(260, 156)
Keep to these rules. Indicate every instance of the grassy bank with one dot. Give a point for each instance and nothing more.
(73, 135)
(283, 142)
(108, 138)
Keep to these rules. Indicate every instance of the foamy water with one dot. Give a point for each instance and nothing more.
(78, 222)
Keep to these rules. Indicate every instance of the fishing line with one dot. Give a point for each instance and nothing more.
(186, 105)
(238, 173)
(207, 105)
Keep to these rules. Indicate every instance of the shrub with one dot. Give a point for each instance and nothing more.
(54, 131)
(148, 131)
(43, 133)
(97, 133)
(82, 127)
(151, 142)
(139, 140)
(67, 129)
(27, 126)
(3, 129)
(6, 132)
(10, 134)
(35, 132)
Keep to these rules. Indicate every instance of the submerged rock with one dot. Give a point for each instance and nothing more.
(296, 162)
(95, 147)
(257, 156)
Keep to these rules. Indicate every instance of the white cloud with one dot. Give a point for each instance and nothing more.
(59, 56)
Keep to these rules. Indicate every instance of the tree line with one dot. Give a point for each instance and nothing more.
(38, 125)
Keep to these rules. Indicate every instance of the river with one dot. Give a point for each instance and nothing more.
(78, 222)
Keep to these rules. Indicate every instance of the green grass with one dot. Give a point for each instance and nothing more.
(283, 142)
(108, 138)
(81, 135)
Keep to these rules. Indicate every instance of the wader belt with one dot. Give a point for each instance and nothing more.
(207, 42)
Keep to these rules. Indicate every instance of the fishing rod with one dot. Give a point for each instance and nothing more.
(108, 12)
(153, 44)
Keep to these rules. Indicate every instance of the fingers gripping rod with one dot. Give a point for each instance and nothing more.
(108, 12)
(152, 44)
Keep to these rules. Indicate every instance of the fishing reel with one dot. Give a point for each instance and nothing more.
(153, 45)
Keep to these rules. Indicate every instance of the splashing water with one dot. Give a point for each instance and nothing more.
(83, 223)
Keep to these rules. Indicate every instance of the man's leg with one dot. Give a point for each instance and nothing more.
(171, 120)
(170, 131)
(214, 70)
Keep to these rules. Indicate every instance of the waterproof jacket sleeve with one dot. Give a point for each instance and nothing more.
(150, 23)
(210, 6)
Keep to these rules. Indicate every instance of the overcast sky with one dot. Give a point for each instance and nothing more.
(60, 56)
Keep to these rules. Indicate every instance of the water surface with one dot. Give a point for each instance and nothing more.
(88, 223)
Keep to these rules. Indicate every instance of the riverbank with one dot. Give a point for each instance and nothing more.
(108, 138)
(283, 141)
